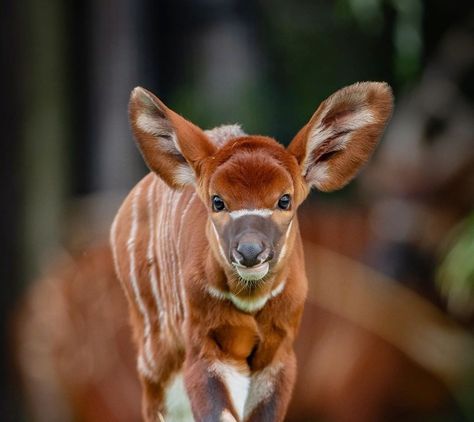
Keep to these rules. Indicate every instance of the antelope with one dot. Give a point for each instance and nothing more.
(208, 251)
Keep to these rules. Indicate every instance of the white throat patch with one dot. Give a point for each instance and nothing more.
(249, 305)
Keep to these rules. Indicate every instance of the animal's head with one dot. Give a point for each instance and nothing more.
(252, 185)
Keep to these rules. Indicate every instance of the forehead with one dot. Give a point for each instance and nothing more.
(255, 177)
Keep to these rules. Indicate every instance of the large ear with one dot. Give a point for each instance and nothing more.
(341, 136)
(172, 147)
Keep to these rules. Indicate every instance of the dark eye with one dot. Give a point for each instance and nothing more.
(284, 202)
(217, 204)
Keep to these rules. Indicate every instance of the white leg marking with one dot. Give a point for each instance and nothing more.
(226, 416)
(262, 387)
(178, 407)
(262, 212)
(133, 277)
(237, 385)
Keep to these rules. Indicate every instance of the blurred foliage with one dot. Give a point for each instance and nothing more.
(455, 277)
(305, 51)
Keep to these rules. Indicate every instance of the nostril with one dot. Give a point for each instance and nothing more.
(266, 255)
(236, 256)
(249, 253)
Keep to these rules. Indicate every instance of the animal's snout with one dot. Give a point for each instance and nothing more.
(251, 251)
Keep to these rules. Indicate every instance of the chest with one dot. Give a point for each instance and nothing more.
(254, 341)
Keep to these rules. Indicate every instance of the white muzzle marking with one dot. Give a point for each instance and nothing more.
(253, 273)
(262, 212)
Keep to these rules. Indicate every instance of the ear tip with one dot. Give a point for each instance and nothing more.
(384, 88)
(380, 89)
(140, 94)
(380, 93)
(141, 98)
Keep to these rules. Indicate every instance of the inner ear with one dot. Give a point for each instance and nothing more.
(331, 131)
(342, 134)
(172, 147)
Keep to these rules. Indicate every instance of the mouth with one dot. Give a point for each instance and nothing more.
(252, 273)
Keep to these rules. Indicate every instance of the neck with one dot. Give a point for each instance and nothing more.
(223, 282)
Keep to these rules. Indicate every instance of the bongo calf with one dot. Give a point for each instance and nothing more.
(208, 251)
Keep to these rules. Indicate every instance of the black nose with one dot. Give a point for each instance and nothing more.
(249, 253)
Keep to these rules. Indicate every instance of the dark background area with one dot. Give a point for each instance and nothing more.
(68, 68)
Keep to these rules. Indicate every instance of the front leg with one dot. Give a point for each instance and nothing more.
(217, 390)
(270, 391)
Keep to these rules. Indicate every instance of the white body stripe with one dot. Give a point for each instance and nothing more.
(151, 252)
(178, 282)
(134, 281)
(180, 237)
(144, 368)
(113, 244)
(262, 212)
(165, 293)
(166, 252)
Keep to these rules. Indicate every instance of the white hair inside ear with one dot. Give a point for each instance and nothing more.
(342, 134)
(184, 175)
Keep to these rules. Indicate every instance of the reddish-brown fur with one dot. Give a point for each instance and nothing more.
(76, 359)
(237, 358)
